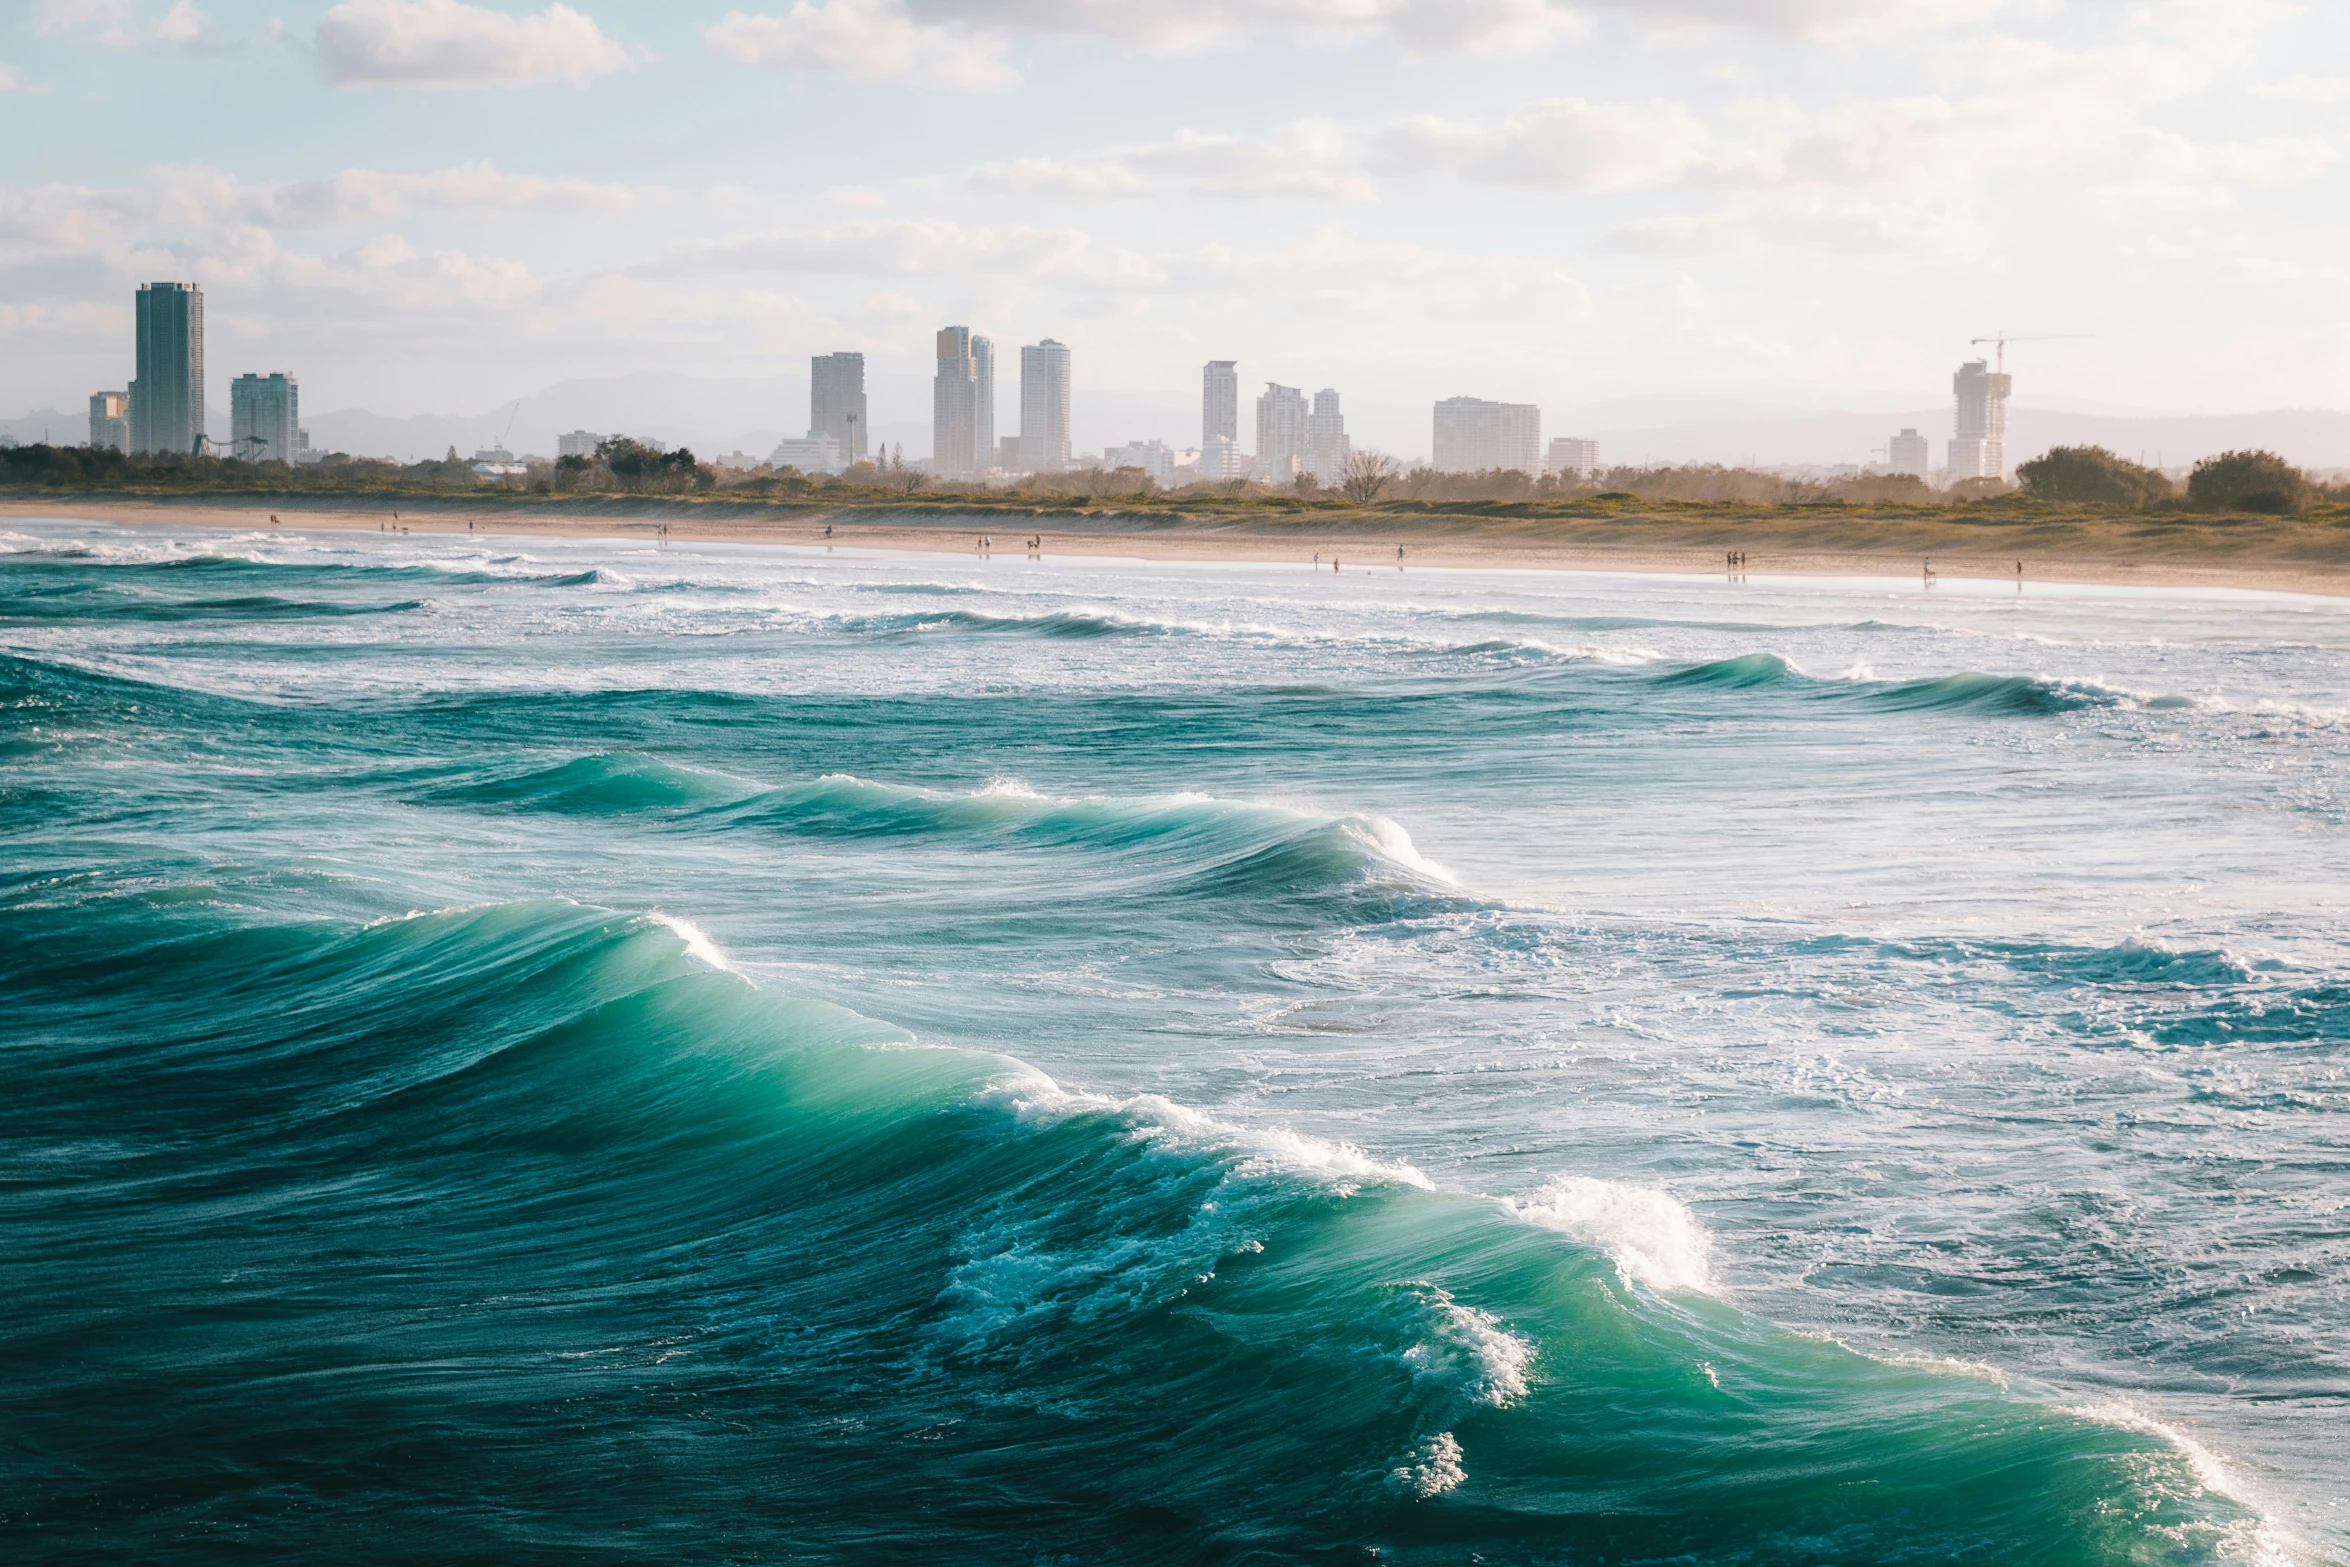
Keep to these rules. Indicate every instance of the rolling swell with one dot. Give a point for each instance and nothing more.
(380, 1198)
(1967, 691)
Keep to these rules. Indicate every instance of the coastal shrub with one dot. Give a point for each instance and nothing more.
(647, 465)
(1980, 489)
(2091, 473)
(1715, 485)
(2247, 481)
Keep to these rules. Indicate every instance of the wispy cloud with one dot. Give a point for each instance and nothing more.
(865, 38)
(1309, 159)
(448, 44)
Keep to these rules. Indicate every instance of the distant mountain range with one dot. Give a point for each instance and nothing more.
(749, 414)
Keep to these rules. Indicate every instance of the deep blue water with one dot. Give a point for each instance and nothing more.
(536, 1051)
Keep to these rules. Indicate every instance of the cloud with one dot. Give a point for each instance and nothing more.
(865, 38)
(63, 16)
(446, 44)
(389, 270)
(1566, 143)
(183, 24)
(911, 247)
(197, 196)
(1421, 26)
(1309, 159)
(1070, 181)
(2307, 89)
(8, 77)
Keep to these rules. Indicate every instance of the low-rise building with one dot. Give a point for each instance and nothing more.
(1155, 458)
(816, 452)
(1573, 455)
(110, 421)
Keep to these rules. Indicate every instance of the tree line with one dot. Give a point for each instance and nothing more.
(2247, 481)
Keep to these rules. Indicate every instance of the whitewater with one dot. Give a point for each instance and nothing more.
(575, 1051)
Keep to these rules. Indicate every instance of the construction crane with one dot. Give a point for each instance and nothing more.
(2002, 340)
(509, 430)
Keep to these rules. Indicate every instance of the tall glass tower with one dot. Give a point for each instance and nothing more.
(167, 399)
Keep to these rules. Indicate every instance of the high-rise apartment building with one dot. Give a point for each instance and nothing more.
(1473, 435)
(1044, 407)
(577, 443)
(836, 403)
(1326, 445)
(1574, 454)
(1219, 402)
(954, 407)
(167, 398)
(983, 446)
(265, 418)
(110, 421)
(1281, 433)
(1978, 443)
(1908, 452)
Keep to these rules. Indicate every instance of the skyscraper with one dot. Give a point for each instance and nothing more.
(1978, 443)
(836, 402)
(1909, 452)
(983, 447)
(1473, 435)
(954, 407)
(110, 421)
(1219, 401)
(265, 417)
(1044, 407)
(167, 398)
(1219, 421)
(1281, 433)
(1326, 445)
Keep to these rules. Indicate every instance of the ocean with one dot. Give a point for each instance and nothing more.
(526, 1050)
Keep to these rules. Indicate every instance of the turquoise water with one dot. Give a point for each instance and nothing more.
(559, 1051)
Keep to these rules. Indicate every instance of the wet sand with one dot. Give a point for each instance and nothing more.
(2256, 554)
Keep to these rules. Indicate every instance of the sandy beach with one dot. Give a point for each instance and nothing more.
(2272, 555)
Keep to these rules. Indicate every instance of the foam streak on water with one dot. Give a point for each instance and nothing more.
(558, 1051)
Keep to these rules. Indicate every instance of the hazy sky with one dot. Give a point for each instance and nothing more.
(428, 205)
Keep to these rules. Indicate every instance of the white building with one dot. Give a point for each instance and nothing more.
(1155, 458)
(1327, 447)
(983, 445)
(1573, 454)
(954, 408)
(579, 443)
(1222, 458)
(110, 421)
(1908, 452)
(836, 401)
(265, 418)
(1044, 407)
(1281, 433)
(817, 452)
(1978, 445)
(1473, 435)
(1219, 402)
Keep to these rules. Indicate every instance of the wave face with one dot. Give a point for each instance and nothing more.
(524, 1199)
(581, 1053)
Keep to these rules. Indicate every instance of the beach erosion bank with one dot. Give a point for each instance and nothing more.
(2275, 554)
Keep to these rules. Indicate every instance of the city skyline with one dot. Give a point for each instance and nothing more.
(1811, 205)
(1296, 439)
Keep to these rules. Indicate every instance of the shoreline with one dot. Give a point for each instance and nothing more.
(1780, 550)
